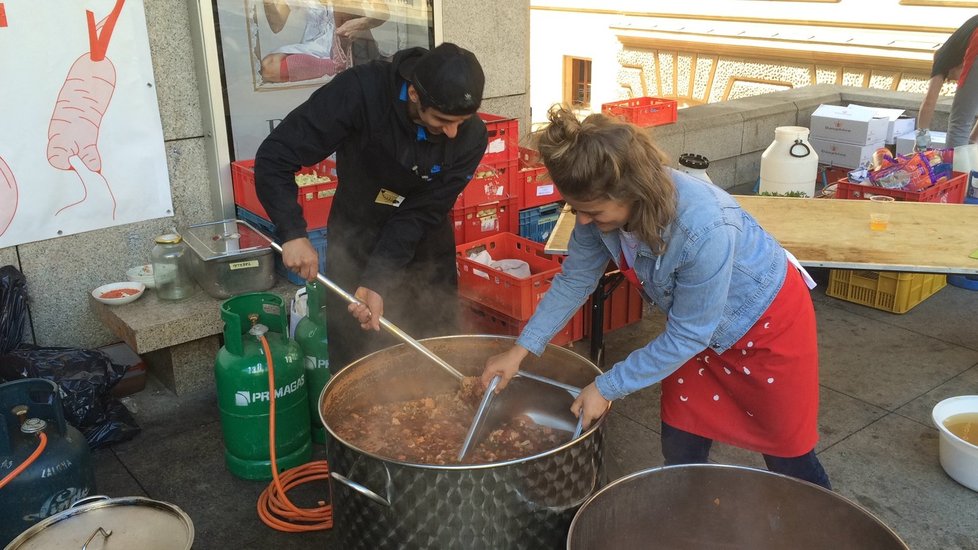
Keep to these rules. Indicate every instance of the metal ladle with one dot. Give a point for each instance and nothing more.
(479, 421)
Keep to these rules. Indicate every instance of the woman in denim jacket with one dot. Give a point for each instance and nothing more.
(738, 359)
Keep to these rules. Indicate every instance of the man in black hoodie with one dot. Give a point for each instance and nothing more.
(407, 140)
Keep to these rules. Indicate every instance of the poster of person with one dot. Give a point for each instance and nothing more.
(277, 52)
(82, 146)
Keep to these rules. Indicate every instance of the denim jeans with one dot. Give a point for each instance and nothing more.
(681, 447)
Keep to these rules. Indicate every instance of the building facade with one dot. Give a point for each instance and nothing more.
(729, 49)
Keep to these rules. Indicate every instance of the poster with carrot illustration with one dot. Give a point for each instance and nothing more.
(82, 147)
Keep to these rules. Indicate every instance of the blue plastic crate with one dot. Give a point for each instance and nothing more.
(537, 223)
(316, 236)
(258, 222)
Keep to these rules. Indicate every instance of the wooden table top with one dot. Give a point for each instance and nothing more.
(921, 237)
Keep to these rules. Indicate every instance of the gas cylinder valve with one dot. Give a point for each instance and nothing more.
(257, 329)
(33, 426)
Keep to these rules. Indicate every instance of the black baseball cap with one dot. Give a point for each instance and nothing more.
(450, 79)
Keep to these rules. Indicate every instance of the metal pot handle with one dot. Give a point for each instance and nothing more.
(86, 500)
(360, 489)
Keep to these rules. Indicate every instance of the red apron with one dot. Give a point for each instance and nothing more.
(762, 393)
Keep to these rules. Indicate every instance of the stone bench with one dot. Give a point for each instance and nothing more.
(177, 340)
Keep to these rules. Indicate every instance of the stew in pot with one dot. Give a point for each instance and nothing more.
(431, 430)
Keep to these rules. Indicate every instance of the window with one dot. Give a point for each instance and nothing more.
(577, 82)
(275, 53)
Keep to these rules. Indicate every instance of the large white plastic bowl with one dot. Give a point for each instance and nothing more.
(958, 457)
(141, 274)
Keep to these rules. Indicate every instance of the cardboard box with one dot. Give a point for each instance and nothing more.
(846, 155)
(906, 142)
(899, 123)
(855, 125)
(902, 125)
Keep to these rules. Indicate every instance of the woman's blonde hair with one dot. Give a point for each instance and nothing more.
(604, 158)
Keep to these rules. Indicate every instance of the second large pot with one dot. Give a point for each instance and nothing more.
(525, 503)
(698, 506)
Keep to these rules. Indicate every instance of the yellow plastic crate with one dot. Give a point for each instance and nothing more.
(887, 290)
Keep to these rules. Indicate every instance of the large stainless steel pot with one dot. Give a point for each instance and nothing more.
(525, 503)
(733, 507)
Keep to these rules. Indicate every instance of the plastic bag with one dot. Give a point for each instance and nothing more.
(13, 307)
(85, 377)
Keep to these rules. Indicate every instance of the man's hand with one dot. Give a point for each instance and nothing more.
(368, 310)
(300, 256)
(591, 404)
(922, 139)
(505, 364)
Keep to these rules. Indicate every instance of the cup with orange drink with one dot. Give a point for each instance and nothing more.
(879, 215)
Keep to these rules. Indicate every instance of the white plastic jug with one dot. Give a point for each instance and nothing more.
(965, 158)
(789, 163)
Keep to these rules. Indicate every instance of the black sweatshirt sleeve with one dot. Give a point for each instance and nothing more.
(417, 214)
(311, 132)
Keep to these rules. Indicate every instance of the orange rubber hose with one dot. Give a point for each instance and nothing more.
(274, 507)
(30, 460)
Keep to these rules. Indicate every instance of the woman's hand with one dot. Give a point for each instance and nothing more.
(505, 365)
(368, 310)
(591, 404)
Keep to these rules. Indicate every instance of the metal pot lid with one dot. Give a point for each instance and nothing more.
(227, 239)
(127, 522)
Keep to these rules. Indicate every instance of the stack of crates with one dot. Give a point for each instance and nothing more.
(895, 292)
(489, 203)
(540, 202)
(317, 185)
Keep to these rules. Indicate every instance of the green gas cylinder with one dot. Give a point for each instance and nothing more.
(243, 396)
(310, 334)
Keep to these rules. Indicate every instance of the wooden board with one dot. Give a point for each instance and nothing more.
(560, 234)
(922, 237)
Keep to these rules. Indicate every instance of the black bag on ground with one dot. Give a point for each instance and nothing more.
(85, 377)
(13, 307)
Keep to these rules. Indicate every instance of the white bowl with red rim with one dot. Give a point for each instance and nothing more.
(116, 294)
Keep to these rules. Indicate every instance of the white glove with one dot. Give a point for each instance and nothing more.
(922, 139)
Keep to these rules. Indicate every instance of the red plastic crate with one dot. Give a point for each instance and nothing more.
(621, 309)
(504, 137)
(950, 191)
(530, 158)
(643, 111)
(536, 188)
(472, 223)
(534, 185)
(316, 200)
(512, 296)
(491, 182)
(479, 319)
